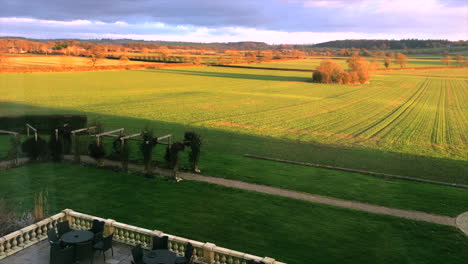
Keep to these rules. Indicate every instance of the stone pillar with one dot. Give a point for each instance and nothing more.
(208, 252)
(153, 234)
(109, 227)
(68, 217)
(268, 260)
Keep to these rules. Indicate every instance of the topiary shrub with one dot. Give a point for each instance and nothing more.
(146, 147)
(172, 157)
(121, 152)
(56, 146)
(35, 149)
(15, 150)
(97, 151)
(193, 140)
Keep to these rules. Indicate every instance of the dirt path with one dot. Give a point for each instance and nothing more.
(415, 215)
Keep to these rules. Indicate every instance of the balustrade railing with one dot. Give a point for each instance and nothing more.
(28, 236)
(205, 253)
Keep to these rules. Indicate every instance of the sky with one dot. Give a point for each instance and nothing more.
(270, 21)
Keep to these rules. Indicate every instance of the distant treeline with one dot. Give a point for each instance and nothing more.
(391, 44)
(252, 45)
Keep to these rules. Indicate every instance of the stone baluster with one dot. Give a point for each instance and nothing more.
(2, 248)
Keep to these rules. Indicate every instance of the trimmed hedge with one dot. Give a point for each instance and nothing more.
(43, 123)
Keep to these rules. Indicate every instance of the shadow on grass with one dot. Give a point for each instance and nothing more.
(234, 75)
(225, 148)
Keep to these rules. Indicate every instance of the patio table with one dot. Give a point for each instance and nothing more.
(159, 256)
(77, 236)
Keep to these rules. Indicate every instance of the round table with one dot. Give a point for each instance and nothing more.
(77, 236)
(159, 256)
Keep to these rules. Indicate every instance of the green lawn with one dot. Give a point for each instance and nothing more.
(312, 63)
(289, 230)
(407, 122)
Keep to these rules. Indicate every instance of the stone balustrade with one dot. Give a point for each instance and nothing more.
(28, 236)
(205, 253)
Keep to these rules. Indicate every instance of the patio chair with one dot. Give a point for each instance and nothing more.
(63, 227)
(84, 251)
(137, 253)
(52, 236)
(160, 242)
(97, 238)
(62, 256)
(97, 227)
(187, 258)
(105, 244)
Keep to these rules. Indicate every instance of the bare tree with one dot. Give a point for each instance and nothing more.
(401, 59)
(95, 55)
(387, 62)
(124, 59)
(446, 59)
(460, 60)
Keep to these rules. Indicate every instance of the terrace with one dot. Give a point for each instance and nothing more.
(29, 245)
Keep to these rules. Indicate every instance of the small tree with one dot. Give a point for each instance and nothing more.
(35, 149)
(97, 151)
(446, 59)
(460, 60)
(95, 55)
(401, 59)
(124, 59)
(15, 150)
(146, 147)
(172, 157)
(193, 140)
(387, 62)
(122, 151)
(56, 145)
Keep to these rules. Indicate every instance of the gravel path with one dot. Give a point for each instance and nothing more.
(415, 215)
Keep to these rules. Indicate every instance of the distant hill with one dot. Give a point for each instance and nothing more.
(244, 45)
(390, 44)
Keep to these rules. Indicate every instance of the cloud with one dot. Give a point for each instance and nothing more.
(87, 29)
(436, 18)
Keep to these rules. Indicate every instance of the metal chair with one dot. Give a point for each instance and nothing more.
(62, 256)
(97, 227)
(63, 227)
(187, 258)
(137, 254)
(160, 242)
(105, 244)
(52, 236)
(84, 251)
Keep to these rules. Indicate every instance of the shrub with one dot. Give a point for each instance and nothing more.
(41, 207)
(172, 154)
(35, 149)
(10, 222)
(122, 152)
(328, 72)
(56, 146)
(97, 151)
(193, 140)
(15, 150)
(146, 147)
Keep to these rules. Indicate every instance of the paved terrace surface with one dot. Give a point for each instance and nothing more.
(40, 254)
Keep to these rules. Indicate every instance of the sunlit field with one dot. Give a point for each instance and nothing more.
(312, 62)
(53, 61)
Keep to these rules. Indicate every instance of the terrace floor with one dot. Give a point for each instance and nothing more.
(39, 254)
